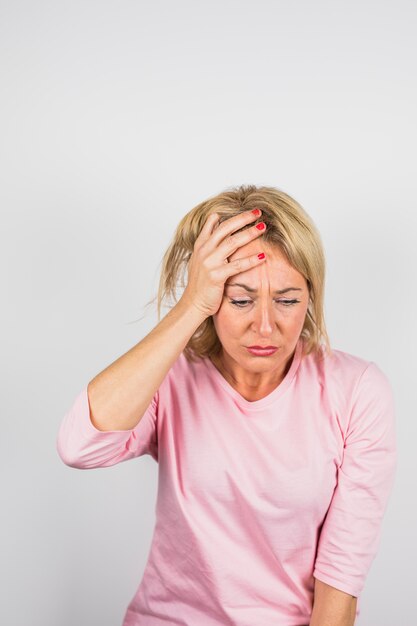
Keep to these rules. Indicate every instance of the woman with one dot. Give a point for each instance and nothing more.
(276, 454)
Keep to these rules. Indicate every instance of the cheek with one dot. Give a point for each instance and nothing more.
(293, 318)
(224, 322)
(301, 315)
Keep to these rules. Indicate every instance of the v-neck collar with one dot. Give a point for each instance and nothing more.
(273, 395)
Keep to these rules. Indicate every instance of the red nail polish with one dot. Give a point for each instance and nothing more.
(256, 212)
(261, 255)
(260, 226)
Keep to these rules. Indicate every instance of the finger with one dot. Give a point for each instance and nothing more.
(207, 229)
(230, 225)
(242, 264)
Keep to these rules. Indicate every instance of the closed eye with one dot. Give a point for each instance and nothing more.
(242, 303)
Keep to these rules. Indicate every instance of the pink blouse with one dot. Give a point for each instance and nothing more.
(255, 499)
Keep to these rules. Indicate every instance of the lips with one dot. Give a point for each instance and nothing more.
(261, 352)
(263, 347)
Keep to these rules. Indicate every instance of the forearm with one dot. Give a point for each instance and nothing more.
(332, 607)
(120, 394)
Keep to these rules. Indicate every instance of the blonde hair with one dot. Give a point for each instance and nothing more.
(289, 228)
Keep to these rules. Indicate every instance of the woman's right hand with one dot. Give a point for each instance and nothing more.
(208, 267)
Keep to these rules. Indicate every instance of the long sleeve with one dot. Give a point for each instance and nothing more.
(351, 531)
(81, 445)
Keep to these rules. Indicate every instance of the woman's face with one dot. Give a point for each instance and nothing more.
(261, 317)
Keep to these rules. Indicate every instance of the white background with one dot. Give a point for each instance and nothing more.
(117, 118)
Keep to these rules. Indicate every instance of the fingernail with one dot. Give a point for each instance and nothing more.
(260, 226)
(256, 211)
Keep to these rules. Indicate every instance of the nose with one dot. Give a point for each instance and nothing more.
(264, 316)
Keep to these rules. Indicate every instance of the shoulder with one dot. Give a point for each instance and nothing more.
(366, 374)
(359, 396)
(345, 378)
(343, 368)
(361, 386)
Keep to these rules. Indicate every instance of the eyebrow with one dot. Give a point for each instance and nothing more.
(251, 290)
